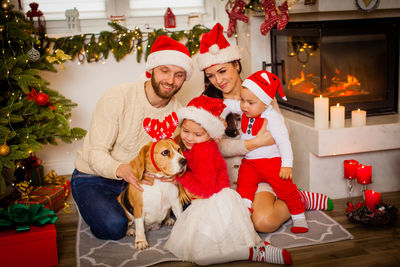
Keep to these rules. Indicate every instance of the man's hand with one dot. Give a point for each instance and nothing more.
(124, 171)
(286, 173)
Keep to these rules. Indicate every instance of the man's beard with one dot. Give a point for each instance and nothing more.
(157, 90)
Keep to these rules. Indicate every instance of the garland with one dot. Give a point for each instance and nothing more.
(120, 42)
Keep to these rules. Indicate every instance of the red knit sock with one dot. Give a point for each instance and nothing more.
(271, 16)
(231, 27)
(283, 17)
(237, 11)
(316, 201)
(264, 252)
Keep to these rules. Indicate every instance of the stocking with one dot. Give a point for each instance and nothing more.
(284, 16)
(237, 11)
(271, 16)
(231, 27)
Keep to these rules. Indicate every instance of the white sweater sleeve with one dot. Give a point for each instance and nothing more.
(102, 135)
(277, 127)
(232, 106)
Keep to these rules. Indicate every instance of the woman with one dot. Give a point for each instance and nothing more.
(220, 62)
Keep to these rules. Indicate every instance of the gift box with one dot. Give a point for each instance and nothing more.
(51, 197)
(36, 247)
(36, 175)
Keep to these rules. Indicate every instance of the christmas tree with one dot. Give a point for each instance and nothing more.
(31, 114)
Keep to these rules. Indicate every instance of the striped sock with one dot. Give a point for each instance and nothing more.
(316, 201)
(299, 223)
(267, 253)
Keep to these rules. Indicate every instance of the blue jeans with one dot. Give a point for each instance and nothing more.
(96, 198)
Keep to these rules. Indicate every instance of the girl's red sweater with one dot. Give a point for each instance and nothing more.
(206, 173)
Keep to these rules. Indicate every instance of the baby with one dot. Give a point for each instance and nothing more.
(267, 164)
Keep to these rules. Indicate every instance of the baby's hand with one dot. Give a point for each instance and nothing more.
(286, 173)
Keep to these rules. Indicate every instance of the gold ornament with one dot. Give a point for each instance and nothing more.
(4, 150)
(5, 5)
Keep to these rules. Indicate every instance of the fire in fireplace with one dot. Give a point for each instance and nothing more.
(354, 63)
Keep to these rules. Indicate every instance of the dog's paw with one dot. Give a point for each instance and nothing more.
(141, 244)
(130, 232)
(169, 221)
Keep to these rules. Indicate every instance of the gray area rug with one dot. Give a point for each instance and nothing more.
(91, 251)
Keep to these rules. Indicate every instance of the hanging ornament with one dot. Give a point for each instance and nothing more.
(4, 150)
(59, 57)
(5, 5)
(33, 54)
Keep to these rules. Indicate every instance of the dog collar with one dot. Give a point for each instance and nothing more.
(152, 155)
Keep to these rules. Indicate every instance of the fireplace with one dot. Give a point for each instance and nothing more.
(354, 63)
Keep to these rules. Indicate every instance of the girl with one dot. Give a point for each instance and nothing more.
(216, 227)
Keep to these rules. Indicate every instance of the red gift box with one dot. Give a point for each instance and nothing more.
(36, 247)
(51, 197)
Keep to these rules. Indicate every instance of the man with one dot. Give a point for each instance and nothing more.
(116, 135)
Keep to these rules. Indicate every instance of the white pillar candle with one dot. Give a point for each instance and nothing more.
(358, 118)
(321, 112)
(337, 116)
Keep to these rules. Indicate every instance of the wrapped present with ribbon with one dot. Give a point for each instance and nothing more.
(31, 169)
(52, 178)
(31, 237)
(51, 197)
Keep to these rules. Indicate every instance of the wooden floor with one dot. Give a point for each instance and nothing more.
(371, 246)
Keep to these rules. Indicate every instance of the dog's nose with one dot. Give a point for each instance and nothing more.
(182, 162)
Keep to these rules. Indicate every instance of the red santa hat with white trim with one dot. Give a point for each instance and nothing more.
(205, 111)
(167, 51)
(264, 85)
(215, 49)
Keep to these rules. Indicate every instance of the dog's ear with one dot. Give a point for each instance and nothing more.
(137, 164)
(178, 140)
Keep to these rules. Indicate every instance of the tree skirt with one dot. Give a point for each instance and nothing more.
(91, 251)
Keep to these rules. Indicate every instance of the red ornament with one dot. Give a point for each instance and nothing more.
(40, 98)
(169, 19)
(36, 16)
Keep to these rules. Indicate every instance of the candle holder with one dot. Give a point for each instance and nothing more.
(350, 173)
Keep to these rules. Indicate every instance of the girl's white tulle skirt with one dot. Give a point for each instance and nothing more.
(213, 230)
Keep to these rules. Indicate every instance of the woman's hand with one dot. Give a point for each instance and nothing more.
(263, 138)
(124, 171)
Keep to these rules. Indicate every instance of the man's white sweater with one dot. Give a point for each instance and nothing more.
(116, 133)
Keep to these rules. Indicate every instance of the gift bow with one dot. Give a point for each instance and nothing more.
(60, 57)
(23, 216)
(52, 178)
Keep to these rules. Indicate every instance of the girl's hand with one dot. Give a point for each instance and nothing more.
(286, 173)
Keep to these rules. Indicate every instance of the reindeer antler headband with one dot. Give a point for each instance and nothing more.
(160, 130)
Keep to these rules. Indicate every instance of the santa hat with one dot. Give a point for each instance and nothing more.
(264, 85)
(205, 111)
(167, 51)
(215, 49)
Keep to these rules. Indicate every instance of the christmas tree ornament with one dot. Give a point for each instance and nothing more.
(33, 54)
(5, 5)
(283, 16)
(42, 99)
(4, 150)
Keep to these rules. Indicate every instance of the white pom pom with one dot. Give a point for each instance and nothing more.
(214, 49)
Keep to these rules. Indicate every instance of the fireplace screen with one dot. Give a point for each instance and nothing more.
(353, 63)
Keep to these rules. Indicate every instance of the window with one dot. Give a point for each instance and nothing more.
(55, 9)
(143, 8)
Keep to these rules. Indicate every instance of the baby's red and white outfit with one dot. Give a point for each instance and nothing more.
(263, 164)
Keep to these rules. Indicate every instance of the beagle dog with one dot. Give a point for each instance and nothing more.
(150, 208)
